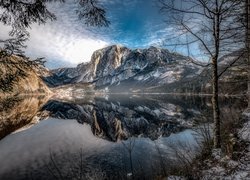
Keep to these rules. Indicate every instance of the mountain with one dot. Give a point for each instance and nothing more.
(17, 76)
(233, 77)
(120, 68)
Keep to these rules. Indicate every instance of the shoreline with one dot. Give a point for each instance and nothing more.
(51, 94)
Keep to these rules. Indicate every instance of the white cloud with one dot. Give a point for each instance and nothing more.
(81, 49)
(61, 45)
(64, 42)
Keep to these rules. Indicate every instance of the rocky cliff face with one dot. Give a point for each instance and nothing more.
(151, 70)
(18, 77)
(117, 67)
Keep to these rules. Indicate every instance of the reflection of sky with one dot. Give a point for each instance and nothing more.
(34, 144)
(186, 138)
(67, 41)
(65, 139)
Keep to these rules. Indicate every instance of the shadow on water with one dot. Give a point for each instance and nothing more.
(125, 136)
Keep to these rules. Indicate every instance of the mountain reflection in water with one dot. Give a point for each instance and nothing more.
(102, 138)
(122, 117)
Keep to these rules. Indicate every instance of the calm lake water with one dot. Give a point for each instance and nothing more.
(111, 137)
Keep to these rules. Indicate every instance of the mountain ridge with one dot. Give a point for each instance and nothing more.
(122, 70)
(115, 65)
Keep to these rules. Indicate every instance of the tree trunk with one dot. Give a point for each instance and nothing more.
(215, 103)
(248, 47)
(215, 99)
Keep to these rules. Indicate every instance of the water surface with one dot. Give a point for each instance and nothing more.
(111, 137)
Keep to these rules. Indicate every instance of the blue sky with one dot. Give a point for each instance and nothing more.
(68, 42)
(135, 23)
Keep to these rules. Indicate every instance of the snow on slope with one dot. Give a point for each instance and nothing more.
(115, 65)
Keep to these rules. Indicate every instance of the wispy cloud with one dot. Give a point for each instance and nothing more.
(67, 41)
(61, 45)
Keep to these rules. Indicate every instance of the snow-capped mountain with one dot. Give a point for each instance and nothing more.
(116, 67)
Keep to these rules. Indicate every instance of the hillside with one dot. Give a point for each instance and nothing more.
(233, 80)
(19, 77)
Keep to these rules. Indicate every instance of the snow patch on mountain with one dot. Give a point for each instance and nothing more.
(119, 66)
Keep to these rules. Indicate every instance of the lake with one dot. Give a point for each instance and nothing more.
(137, 136)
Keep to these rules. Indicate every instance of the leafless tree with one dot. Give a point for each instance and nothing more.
(217, 26)
(130, 147)
(247, 5)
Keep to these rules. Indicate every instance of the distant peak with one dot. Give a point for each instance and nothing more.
(117, 45)
(114, 46)
(152, 47)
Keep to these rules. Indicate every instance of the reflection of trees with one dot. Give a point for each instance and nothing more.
(7, 103)
(129, 146)
(161, 159)
(63, 168)
(16, 112)
(57, 174)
